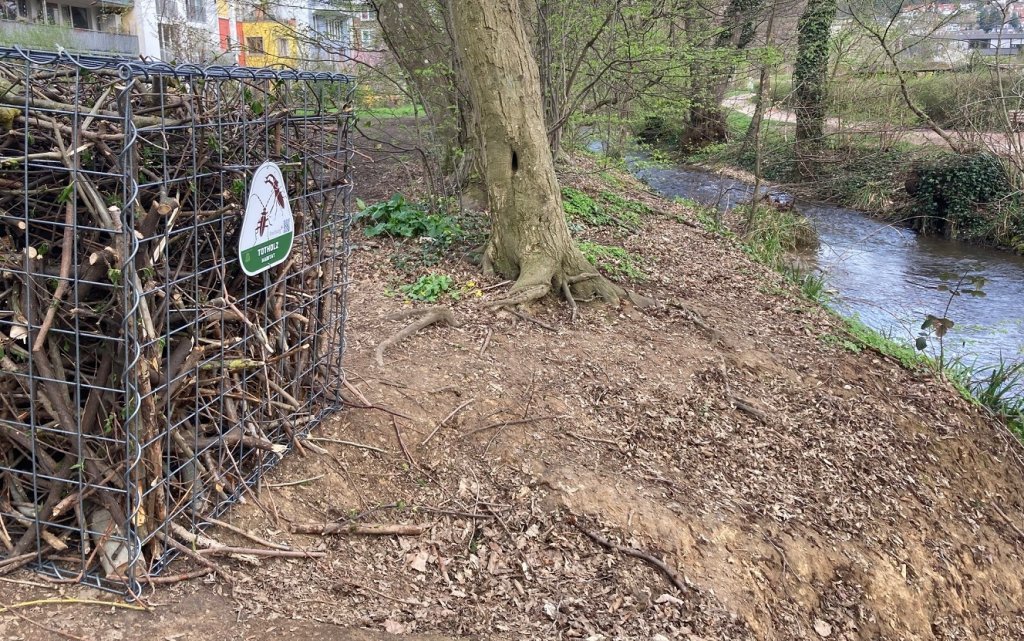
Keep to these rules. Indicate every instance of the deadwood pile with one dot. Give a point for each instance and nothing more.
(143, 376)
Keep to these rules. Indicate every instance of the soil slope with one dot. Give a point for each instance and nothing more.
(799, 490)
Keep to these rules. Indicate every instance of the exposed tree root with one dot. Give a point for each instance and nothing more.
(642, 302)
(567, 292)
(571, 276)
(429, 316)
(522, 296)
(535, 321)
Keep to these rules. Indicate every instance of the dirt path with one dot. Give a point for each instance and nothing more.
(996, 142)
(801, 491)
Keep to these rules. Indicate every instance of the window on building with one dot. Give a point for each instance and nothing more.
(366, 38)
(282, 47)
(365, 16)
(13, 9)
(170, 40)
(254, 45)
(110, 22)
(195, 10)
(168, 10)
(62, 14)
(80, 18)
(334, 29)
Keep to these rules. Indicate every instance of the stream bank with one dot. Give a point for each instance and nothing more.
(888, 277)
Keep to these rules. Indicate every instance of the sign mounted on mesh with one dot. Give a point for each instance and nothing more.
(268, 228)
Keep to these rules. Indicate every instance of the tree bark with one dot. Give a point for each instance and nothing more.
(530, 240)
(809, 78)
(764, 91)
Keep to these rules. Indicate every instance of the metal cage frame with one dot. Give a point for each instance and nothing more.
(182, 378)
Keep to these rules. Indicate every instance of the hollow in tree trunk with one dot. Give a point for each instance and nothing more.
(530, 240)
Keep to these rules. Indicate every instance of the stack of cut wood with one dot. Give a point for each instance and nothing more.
(144, 378)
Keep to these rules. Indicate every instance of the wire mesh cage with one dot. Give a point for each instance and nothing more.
(159, 346)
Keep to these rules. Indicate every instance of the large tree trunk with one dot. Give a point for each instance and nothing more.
(810, 81)
(530, 240)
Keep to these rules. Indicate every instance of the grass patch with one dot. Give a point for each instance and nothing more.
(870, 338)
(737, 123)
(616, 262)
(999, 388)
(385, 113)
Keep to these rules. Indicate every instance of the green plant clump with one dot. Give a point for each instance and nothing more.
(770, 234)
(401, 218)
(909, 357)
(609, 209)
(427, 288)
(615, 261)
(579, 206)
(949, 191)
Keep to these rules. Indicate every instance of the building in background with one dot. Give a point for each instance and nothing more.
(177, 30)
(270, 32)
(331, 31)
(348, 30)
(230, 34)
(322, 34)
(104, 26)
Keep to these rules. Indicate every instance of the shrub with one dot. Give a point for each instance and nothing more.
(402, 218)
(950, 190)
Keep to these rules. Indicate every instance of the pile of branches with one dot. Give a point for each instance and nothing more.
(144, 378)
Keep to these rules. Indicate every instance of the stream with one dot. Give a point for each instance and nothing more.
(888, 276)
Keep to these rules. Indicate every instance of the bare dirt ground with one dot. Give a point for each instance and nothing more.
(796, 489)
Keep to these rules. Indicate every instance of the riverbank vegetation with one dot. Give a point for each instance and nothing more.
(776, 237)
(834, 103)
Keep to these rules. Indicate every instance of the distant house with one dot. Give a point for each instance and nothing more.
(103, 26)
(268, 36)
(177, 30)
(245, 32)
(347, 31)
(991, 43)
(936, 8)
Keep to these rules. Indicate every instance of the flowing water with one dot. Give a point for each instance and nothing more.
(889, 276)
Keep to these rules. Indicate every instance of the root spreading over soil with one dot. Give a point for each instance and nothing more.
(794, 489)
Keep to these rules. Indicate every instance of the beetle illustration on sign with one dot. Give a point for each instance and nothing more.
(268, 228)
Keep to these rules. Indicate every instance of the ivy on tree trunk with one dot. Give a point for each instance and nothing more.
(810, 75)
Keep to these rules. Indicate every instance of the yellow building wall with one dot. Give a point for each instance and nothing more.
(270, 31)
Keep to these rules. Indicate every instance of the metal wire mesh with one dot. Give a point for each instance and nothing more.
(145, 380)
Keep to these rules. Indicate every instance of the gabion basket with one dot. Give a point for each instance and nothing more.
(160, 346)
